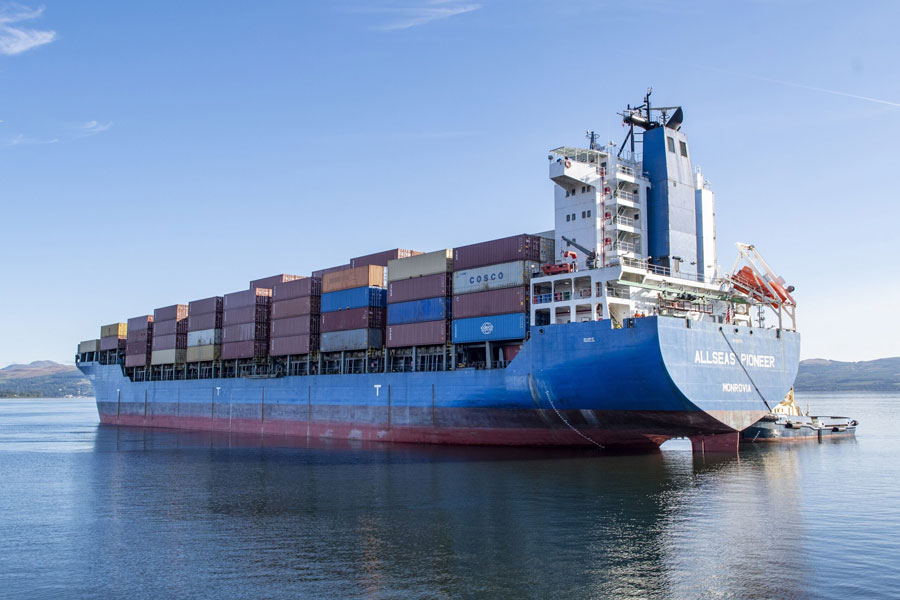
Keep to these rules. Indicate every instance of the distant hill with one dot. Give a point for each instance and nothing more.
(821, 375)
(43, 379)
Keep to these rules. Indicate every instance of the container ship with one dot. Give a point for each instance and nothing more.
(615, 329)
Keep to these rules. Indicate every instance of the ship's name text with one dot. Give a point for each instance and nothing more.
(709, 357)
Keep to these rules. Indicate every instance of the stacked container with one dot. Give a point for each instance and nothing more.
(170, 325)
(269, 282)
(204, 339)
(138, 341)
(353, 303)
(113, 337)
(490, 288)
(382, 258)
(245, 332)
(418, 300)
(295, 317)
(89, 349)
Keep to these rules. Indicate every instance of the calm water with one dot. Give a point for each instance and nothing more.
(98, 512)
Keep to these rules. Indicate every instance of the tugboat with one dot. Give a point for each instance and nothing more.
(787, 423)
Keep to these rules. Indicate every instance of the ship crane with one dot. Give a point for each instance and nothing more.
(590, 255)
(758, 281)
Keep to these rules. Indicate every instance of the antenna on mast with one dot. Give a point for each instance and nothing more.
(592, 138)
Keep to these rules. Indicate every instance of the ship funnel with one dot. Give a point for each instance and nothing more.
(675, 121)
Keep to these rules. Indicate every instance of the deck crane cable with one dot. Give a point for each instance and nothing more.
(743, 368)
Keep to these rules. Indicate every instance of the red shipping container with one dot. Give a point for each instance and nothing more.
(137, 360)
(431, 333)
(247, 314)
(112, 343)
(268, 282)
(419, 288)
(295, 344)
(139, 336)
(355, 318)
(169, 342)
(207, 305)
(517, 247)
(211, 320)
(140, 323)
(493, 302)
(251, 349)
(510, 351)
(308, 286)
(137, 348)
(306, 305)
(382, 258)
(169, 313)
(322, 272)
(168, 327)
(245, 332)
(246, 298)
(294, 326)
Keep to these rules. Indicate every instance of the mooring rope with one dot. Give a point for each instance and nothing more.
(743, 368)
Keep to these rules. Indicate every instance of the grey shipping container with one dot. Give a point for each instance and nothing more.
(290, 326)
(207, 305)
(233, 350)
(207, 337)
(294, 307)
(517, 247)
(308, 286)
(246, 298)
(169, 313)
(140, 323)
(294, 344)
(167, 357)
(353, 339)
(382, 258)
(429, 263)
(354, 318)
(419, 288)
(493, 302)
(431, 333)
(268, 282)
(89, 346)
(493, 277)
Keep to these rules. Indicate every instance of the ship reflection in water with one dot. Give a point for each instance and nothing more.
(104, 512)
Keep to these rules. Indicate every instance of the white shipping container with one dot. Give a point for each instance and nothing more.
(440, 261)
(494, 277)
(204, 337)
(167, 357)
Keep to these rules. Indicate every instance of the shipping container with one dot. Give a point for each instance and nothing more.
(112, 343)
(493, 277)
(418, 311)
(431, 333)
(322, 272)
(382, 258)
(295, 307)
(170, 342)
(114, 330)
(170, 313)
(139, 323)
(205, 306)
(494, 302)
(135, 348)
(249, 349)
(493, 328)
(248, 314)
(203, 353)
(510, 351)
(308, 286)
(355, 318)
(167, 357)
(245, 332)
(294, 344)
(89, 346)
(354, 339)
(371, 276)
(272, 280)
(514, 248)
(140, 335)
(211, 320)
(206, 337)
(354, 298)
(246, 298)
(303, 325)
(548, 248)
(168, 327)
(418, 288)
(137, 360)
(429, 263)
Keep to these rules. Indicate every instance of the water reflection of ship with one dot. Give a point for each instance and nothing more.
(349, 518)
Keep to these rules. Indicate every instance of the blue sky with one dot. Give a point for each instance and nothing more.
(162, 152)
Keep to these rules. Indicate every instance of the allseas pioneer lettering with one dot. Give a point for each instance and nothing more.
(711, 357)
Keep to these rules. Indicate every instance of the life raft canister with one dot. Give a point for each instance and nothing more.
(568, 163)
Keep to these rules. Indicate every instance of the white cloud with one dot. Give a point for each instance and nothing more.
(92, 127)
(20, 140)
(15, 39)
(421, 13)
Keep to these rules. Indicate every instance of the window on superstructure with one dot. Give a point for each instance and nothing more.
(584, 214)
(573, 216)
(589, 214)
(671, 144)
(567, 193)
(583, 189)
(567, 218)
(683, 148)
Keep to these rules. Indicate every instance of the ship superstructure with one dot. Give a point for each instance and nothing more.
(616, 328)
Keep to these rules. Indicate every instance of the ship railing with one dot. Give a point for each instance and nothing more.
(622, 220)
(626, 195)
(645, 265)
(617, 292)
(542, 298)
(624, 247)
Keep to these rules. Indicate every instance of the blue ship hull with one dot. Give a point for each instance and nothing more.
(573, 384)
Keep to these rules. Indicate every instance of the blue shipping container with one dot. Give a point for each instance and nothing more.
(354, 298)
(418, 311)
(494, 328)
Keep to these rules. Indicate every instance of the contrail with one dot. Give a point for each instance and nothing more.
(818, 89)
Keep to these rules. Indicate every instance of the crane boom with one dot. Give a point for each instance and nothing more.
(590, 255)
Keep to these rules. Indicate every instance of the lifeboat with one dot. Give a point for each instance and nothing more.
(748, 282)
